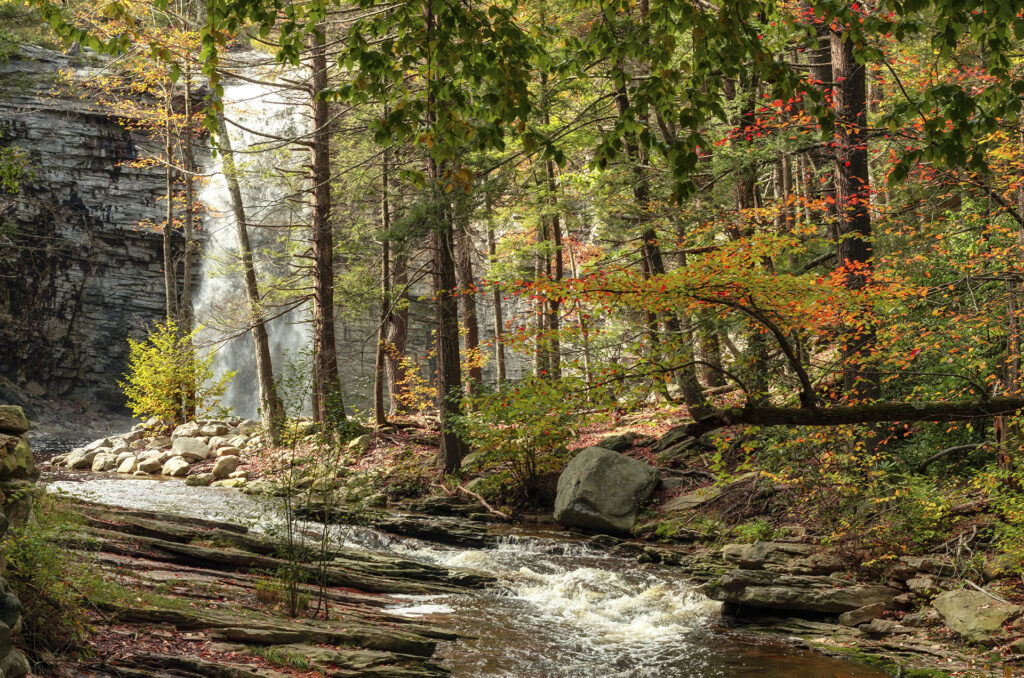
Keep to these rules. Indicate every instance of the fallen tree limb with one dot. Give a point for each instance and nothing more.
(483, 502)
(951, 450)
(854, 414)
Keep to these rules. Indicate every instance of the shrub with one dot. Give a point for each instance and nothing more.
(526, 426)
(167, 378)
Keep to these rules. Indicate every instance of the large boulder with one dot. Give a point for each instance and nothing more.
(175, 466)
(215, 428)
(224, 467)
(150, 465)
(80, 458)
(12, 420)
(104, 461)
(128, 465)
(16, 458)
(187, 430)
(974, 615)
(191, 449)
(602, 490)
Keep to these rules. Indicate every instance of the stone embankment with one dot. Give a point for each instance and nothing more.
(204, 452)
(17, 478)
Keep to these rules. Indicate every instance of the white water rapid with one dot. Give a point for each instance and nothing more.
(270, 177)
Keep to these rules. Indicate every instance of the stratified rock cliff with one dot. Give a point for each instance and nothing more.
(77, 274)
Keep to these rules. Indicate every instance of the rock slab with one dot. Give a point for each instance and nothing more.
(974, 615)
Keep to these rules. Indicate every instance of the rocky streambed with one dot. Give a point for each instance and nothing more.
(506, 600)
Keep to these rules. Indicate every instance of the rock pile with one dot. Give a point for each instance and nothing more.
(143, 452)
(17, 475)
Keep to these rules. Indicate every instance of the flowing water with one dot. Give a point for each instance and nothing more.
(562, 609)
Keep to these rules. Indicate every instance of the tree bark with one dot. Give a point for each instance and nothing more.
(499, 322)
(379, 414)
(446, 331)
(467, 304)
(170, 282)
(853, 191)
(397, 334)
(329, 402)
(271, 409)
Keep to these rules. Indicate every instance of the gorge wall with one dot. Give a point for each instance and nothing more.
(77, 275)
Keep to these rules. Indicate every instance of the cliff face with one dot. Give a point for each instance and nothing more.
(77, 275)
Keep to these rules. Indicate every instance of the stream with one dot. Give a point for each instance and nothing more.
(563, 609)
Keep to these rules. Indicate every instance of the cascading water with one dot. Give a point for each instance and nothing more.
(270, 176)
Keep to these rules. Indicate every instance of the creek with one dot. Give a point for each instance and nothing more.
(562, 610)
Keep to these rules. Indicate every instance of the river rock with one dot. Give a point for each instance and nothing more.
(187, 430)
(102, 443)
(765, 589)
(229, 482)
(361, 443)
(190, 449)
(602, 490)
(133, 436)
(862, 614)
(118, 445)
(199, 480)
(974, 615)
(128, 465)
(15, 665)
(159, 443)
(216, 428)
(12, 420)
(175, 467)
(104, 461)
(762, 553)
(80, 458)
(227, 451)
(125, 455)
(150, 465)
(224, 467)
(248, 426)
(16, 459)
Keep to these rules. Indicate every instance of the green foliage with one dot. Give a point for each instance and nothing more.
(755, 529)
(280, 657)
(167, 378)
(53, 583)
(526, 426)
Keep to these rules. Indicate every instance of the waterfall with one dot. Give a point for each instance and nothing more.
(272, 179)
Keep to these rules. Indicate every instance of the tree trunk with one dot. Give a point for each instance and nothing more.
(446, 331)
(499, 323)
(170, 282)
(556, 272)
(385, 296)
(271, 409)
(467, 304)
(853, 190)
(398, 324)
(327, 383)
(185, 304)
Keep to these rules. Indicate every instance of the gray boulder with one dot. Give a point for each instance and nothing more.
(128, 465)
(191, 449)
(80, 458)
(187, 430)
(150, 465)
(974, 615)
(104, 461)
(216, 428)
(175, 467)
(224, 467)
(159, 443)
(12, 420)
(602, 490)
(102, 443)
(199, 480)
